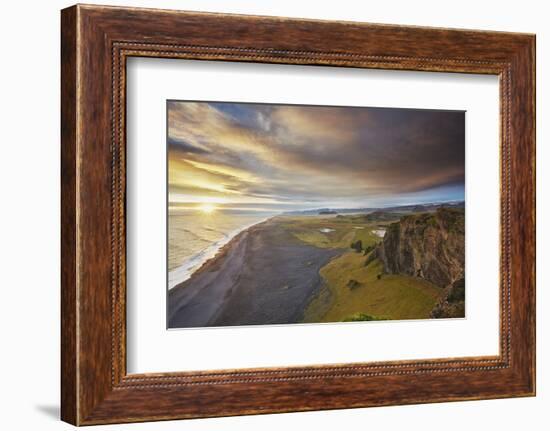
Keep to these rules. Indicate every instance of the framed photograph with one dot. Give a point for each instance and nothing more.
(266, 215)
(281, 214)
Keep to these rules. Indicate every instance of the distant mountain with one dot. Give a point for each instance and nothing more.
(428, 207)
(413, 208)
(318, 211)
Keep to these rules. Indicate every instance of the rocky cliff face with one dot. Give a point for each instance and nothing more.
(427, 245)
(451, 303)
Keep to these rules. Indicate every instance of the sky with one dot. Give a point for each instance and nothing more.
(268, 157)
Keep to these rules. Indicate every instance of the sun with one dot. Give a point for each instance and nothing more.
(207, 208)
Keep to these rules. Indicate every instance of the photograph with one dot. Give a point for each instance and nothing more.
(274, 215)
(283, 214)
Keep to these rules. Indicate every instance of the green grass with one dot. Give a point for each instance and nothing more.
(392, 297)
(308, 229)
(353, 291)
(363, 317)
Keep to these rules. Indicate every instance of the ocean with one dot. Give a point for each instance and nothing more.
(195, 237)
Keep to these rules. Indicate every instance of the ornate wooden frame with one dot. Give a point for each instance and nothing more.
(95, 42)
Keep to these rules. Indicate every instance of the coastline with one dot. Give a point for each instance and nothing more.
(195, 262)
(244, 285)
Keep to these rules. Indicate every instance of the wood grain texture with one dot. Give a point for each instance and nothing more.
(96, 41)
(68, 218)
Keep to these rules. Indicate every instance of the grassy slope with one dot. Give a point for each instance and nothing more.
(392, 297)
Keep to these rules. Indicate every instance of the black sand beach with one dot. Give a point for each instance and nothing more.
(263, 276)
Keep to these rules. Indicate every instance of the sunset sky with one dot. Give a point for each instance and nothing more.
(290, 157)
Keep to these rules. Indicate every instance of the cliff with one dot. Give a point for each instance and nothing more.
(427, 245)
(451, 303)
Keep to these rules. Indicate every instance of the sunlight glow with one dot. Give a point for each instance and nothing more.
(207, 208)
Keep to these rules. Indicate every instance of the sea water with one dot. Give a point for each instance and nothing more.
(195, 236)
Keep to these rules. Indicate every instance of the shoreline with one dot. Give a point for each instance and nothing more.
(264, 275)
(221, 253)
(186, 270)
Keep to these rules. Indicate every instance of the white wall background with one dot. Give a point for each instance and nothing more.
(29, 215)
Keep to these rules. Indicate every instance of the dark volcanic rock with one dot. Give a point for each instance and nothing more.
(427, 245)
(451, 303)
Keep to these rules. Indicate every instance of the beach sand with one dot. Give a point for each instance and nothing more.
(262, 276)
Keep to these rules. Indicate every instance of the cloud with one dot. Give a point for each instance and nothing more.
(299, 154)
(180, 146)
